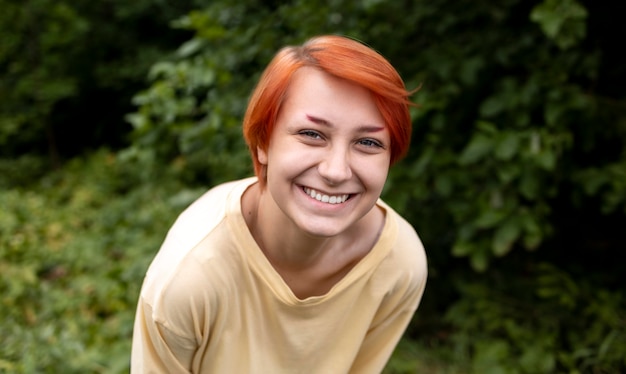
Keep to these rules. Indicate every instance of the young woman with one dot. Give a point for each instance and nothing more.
(301, 269)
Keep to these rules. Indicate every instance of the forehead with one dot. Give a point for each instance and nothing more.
(316, 93)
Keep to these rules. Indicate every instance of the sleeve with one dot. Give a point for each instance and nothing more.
(172, 321)
(156, 348)
(382, 338)
(409, 271)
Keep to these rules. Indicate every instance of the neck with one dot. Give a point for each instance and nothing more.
(310, 265)
(283, 244)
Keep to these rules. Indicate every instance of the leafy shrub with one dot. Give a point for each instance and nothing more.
(517, 147)
(74, 248)
(544, 321)
(518, 143)
(62, 61)
(192, 112)
(73, 253)
(504, 107)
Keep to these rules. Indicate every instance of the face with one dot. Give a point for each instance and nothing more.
(328, 156)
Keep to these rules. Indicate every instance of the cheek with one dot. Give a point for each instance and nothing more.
(291, 155)
(374, 173)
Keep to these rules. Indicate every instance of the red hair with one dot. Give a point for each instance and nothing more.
(341, 57)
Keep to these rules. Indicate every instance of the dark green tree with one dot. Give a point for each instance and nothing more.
(69, 68)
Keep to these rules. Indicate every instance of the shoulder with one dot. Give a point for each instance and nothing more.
(190, 246)
(210, 208)
(197, 221)
(407, 255)
(407, 240)
(185, 294)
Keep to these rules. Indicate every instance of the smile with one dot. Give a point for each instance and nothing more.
(331, 199)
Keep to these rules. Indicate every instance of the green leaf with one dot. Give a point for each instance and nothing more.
(492, 106)
(478, 147)
(508, 172)
(490, 218)
(190, 47)
(505, 236)
(443, 185)
(529, 185)
(562, 21)
(532, 234)
(547, 160)
(479, 260)
(462, 248)
(507, 145)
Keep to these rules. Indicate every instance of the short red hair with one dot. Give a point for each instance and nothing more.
(341, 57)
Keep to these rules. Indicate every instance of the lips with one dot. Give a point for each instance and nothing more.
(330, 199)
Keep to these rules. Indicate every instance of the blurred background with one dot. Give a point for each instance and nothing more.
(115, 115)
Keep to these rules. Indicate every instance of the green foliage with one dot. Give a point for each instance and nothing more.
(35, 40)
(504, 117)
(495, 138)
(518, 144)
(544, 321)
(75, 246)
(608, 182)
(22, 170)
(562, 21)
(414, 356)
(192, 112)
(73, 252)
(70, 67)
(500, 130)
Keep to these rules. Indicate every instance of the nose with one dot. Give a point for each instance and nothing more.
(335, 166)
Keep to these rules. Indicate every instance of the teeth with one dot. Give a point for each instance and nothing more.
(334, 199)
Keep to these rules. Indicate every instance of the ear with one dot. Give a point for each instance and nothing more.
(261, 156)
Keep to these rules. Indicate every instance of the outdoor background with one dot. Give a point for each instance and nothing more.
(115, 115)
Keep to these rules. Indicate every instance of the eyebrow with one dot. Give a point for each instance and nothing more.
(323, 122)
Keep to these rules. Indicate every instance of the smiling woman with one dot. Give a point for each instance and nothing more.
(340, 57)
(328, 124)
(302, 266)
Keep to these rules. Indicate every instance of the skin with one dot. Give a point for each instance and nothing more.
(331, 138)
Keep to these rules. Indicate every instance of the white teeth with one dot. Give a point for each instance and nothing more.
(335, 199)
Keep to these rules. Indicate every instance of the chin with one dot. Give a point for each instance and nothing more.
(323, 230)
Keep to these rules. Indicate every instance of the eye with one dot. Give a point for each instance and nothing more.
(371, 143)
(310, 134)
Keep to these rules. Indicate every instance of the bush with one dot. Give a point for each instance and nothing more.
(506, 109)
(73, 253)
(71, 67)
(517, 157)
(517, 162)
(541, 320)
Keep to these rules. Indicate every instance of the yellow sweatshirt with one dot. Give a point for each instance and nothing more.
(212, 303)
